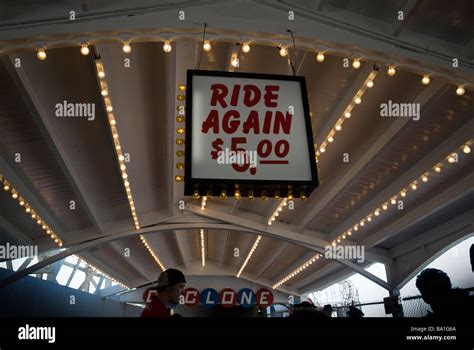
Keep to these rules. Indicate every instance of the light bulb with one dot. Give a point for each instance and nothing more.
(126, 48)
(466, 149)
(101, 74)
(393, 201)
(283, 51)
(377, 213)
(356, 63)
(438, 169)
(41, 54)
(358, 100)
(322, 149)
(245, 47)
(338, 127)
(384, 207)
(207, 46)
(424, 178)
(330, 139)
(22, 203)
(370, 83)
(109, 108)
(85, 49)
(426, 79)
(403, 194)
(234, 62)
(460, 90)
(413, 187)
(6, 187)
(15, 195)
(167, 46)
(391, 71)
(451, 159)
(320, 56)
(347, 115)
(104, 92)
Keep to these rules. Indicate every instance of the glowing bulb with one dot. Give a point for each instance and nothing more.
(338, 127)
(424, 178)
(358, 100)
(237, 194)
(322, 149)
(22, 203)
(403, 194)
(28, 210)
(384, 207)
(85, 49)
(451, 159)
(235, 62)
(391, 71)
(466, 149)
(283, 51)
(245, 47)
(413, 187)
(320, 56)
(41, 54)
(101, 74)
(6, 187)
(460, 90)
(393, 201)
(426, 79)
(356, 63)
(126, 48)
(370, 84)
(109, 108)
(438, 169)
(330, 139)
(167, 46)
(347, 115)
(15, 195)
(207, 46)
(104, 92)
(369, 219)
(376, 213)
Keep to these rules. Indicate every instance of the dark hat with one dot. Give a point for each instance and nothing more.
(170, 277)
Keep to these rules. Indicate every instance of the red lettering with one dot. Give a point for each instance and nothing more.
(268, 148)
(219, 92)
(269, 95)
(212, 121)
(252, 123)
(284, 122)
(278, 148)
(267, 123)
(230, 126)
(248, 100)
(235, 95)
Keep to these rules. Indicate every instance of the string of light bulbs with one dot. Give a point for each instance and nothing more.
(356, 100)
(120, 156)
(249, 255)
(7, 187)
(277, 211)
(203, 248)
(167, 39)
(297, 271)
(413, 185)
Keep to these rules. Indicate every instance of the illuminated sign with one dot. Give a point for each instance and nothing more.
(227, 297)
(248, 132)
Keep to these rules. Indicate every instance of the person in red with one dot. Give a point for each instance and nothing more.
(170, 286)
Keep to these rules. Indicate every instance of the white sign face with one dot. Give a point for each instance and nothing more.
(248, 129)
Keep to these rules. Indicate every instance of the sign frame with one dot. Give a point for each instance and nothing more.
(214, 187)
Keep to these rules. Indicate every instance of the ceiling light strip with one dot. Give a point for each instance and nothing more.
(413, 185)
(357, 99)
(255, 245)
(7, 187)
(97, 270)
(297, 271)
(120, 156)
(203, 247)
